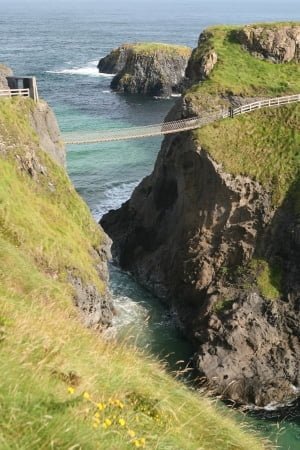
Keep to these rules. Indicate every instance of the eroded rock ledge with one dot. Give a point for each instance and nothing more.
(147, 68)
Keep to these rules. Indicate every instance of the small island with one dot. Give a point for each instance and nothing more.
(152, 69)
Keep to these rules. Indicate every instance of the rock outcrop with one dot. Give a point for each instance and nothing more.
(115, 61)
(4, 72)
(148, 69)
(203, 59)
(206, 234)
(280, 44)
(44, 123)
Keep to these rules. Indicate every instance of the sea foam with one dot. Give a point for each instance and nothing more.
(90, 70)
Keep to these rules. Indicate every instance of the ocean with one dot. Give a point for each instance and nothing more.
(61, 43)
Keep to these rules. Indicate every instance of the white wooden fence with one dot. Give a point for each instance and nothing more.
(14, 93)
(268, 103)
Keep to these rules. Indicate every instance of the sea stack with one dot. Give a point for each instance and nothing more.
(151, 69)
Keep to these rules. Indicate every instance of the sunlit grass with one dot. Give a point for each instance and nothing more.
(240, 73)
(63, 386)
(264, 145)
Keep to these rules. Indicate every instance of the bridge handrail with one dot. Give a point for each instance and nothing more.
(14, 92)
(177, 125)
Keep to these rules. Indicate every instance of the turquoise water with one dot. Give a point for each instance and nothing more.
(61, 44)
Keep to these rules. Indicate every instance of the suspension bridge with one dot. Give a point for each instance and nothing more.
(121, 134)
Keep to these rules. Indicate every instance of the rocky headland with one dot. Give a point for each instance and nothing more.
(147, 68)
(214, 230)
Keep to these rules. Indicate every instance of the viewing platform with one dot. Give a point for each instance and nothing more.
(21, 87)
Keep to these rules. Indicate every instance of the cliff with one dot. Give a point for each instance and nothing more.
(214, 230)
(115, 61)
(63, 385)
(4, 72)
(30, 150)
(147, 68)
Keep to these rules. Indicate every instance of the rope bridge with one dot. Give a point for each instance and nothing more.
(121, 134)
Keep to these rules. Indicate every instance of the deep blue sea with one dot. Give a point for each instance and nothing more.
(60, 43)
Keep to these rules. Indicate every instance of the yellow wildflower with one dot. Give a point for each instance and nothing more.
(121, 405)
(122, 422)
(108, 422)
(95, 425)
(143, 442)
(100, 406)
(71, 390)
(97, 415)
(136, 443)
(86, 396)
(131, 433)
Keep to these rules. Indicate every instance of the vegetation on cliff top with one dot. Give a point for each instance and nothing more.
(150, 48)
(264, 145)
(62, 386)
(239, 73)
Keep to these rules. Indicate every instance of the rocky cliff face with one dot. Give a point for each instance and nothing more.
(45, 124)
(205, 234)
(148, 69)
(115, 61)
(278, 44)
(4, 72)
(203, 59)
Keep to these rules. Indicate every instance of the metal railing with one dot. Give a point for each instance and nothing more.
(14, 93)
(121, 134)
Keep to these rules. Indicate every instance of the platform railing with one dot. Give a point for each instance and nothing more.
(14, 93)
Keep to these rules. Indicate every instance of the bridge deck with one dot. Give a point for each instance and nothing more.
(120, 134)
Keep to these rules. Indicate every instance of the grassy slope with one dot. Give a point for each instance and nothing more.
(44, 349)
(264, 145)
(240, 73)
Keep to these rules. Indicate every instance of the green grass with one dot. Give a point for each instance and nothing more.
(264, 145)
(44, 231)
(239, 73)
(48, 359)
(268, 277)
(150, 48)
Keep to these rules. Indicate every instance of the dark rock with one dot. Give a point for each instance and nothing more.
(148, 69)
(115, 61)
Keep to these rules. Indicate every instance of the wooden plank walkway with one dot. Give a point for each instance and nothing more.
(165, 128)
